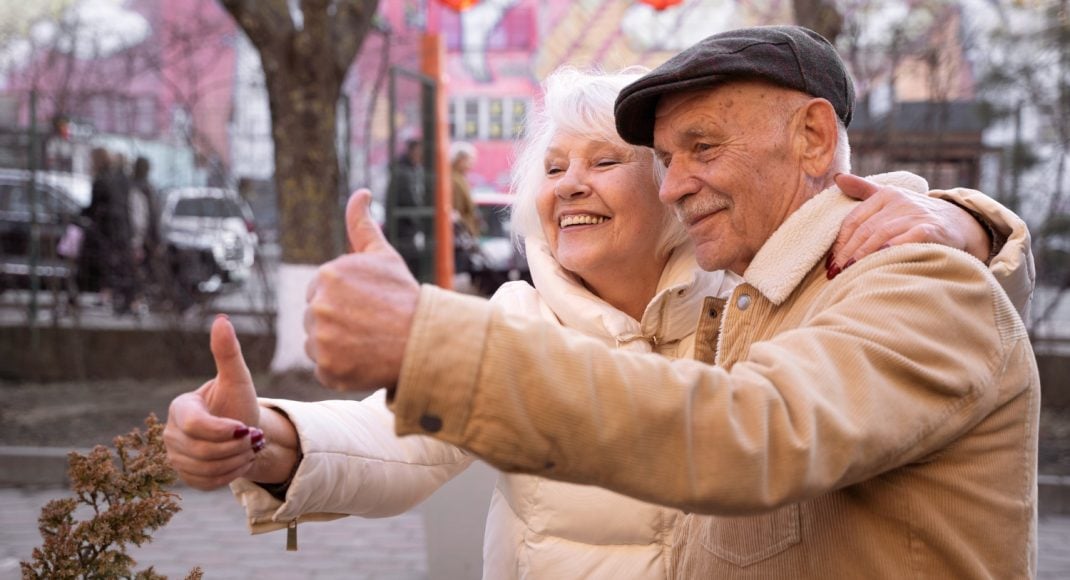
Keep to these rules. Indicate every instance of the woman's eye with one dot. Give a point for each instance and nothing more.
(607, 162)
(553, 170)
(703, 147)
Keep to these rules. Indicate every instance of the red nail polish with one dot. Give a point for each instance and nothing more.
(259, 446)
(833, 272)
(828, 261)
(241, 432)
(848, 264)
(257, 435)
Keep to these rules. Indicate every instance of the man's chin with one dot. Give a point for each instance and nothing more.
(710, 260)
(711, 257)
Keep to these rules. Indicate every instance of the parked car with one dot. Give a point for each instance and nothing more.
(59, 202)
(210, 238)
(502, 260)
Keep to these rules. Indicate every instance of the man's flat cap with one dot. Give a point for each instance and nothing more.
(789, 56)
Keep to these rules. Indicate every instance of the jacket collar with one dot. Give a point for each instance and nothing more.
(807, 235)
(670, 316)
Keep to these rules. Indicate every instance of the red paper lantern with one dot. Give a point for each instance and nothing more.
(660, 5)
(459, 5)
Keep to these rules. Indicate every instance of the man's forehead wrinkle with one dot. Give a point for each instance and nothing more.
(685, 129)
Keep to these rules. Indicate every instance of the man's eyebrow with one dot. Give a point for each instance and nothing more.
(695, 131)
(690, 133)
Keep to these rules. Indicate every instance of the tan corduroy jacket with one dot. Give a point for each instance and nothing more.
(879, 425)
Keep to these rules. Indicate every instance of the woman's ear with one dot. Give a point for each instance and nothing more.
(816, 137)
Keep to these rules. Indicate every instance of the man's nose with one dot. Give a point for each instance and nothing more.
(677, 184)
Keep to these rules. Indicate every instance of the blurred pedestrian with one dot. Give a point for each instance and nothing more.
(120, 259)
(106, 257)
(465, 217)
(407, 189)
(144, 233)
(97, 215)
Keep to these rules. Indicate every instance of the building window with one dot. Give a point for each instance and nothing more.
(471, 118)
(487, 118)
(100, 113)
(145, 118)
(122, 113)
(495, 119)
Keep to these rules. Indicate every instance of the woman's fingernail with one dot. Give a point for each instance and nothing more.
(828, 261)
(848, 264)
(833, 272)
(259, 445)
(241, 432)
(257, 435)
(223, 316)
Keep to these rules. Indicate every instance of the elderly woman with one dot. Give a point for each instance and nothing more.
(607, 259)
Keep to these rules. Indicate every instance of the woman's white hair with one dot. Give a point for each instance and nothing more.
(578, 103)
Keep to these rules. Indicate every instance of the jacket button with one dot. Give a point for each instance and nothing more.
(430, 423)
(743, 302)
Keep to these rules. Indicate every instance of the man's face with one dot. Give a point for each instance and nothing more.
(732, 176)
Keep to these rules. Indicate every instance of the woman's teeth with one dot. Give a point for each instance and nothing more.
(581, 220)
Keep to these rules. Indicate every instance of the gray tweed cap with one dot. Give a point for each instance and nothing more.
(790, 56)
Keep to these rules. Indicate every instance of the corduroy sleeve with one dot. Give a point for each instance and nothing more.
(902, 354)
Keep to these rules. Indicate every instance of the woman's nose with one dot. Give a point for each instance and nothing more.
(573, 183)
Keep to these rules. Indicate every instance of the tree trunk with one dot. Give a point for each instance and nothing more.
(306, 168)
(305, 55)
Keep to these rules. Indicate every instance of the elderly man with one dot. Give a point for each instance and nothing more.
(878, 424)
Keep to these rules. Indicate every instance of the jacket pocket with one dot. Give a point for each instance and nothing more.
(745, 540)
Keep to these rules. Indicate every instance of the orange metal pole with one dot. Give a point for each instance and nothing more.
(434, 65)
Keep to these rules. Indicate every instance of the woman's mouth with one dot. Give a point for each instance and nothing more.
(580, 220)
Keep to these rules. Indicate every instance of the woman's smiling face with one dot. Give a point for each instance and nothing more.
(599, 206)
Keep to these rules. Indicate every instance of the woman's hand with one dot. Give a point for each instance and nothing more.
(890, 216)
(213, 434)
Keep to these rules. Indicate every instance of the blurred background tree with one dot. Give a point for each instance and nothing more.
(306, 48)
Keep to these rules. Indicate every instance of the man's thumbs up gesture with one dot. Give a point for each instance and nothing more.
(360, 308)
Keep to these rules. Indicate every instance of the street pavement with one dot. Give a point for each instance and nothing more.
(210, 532)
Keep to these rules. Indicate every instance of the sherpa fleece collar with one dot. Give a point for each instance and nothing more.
(807, 235)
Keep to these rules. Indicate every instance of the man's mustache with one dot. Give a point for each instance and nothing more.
(693, 207)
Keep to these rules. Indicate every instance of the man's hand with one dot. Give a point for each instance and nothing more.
(212, 434)
(360, 308)
(890, 216)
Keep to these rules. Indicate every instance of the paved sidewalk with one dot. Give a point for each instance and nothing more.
(210, 532)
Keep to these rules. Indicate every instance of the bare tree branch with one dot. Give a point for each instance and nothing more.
(349, 28)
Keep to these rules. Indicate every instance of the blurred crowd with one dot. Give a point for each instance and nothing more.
(120, 252)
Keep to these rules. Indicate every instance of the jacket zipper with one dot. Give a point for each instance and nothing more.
(291, 536)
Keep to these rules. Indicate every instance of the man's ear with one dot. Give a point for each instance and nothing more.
(816, 136)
